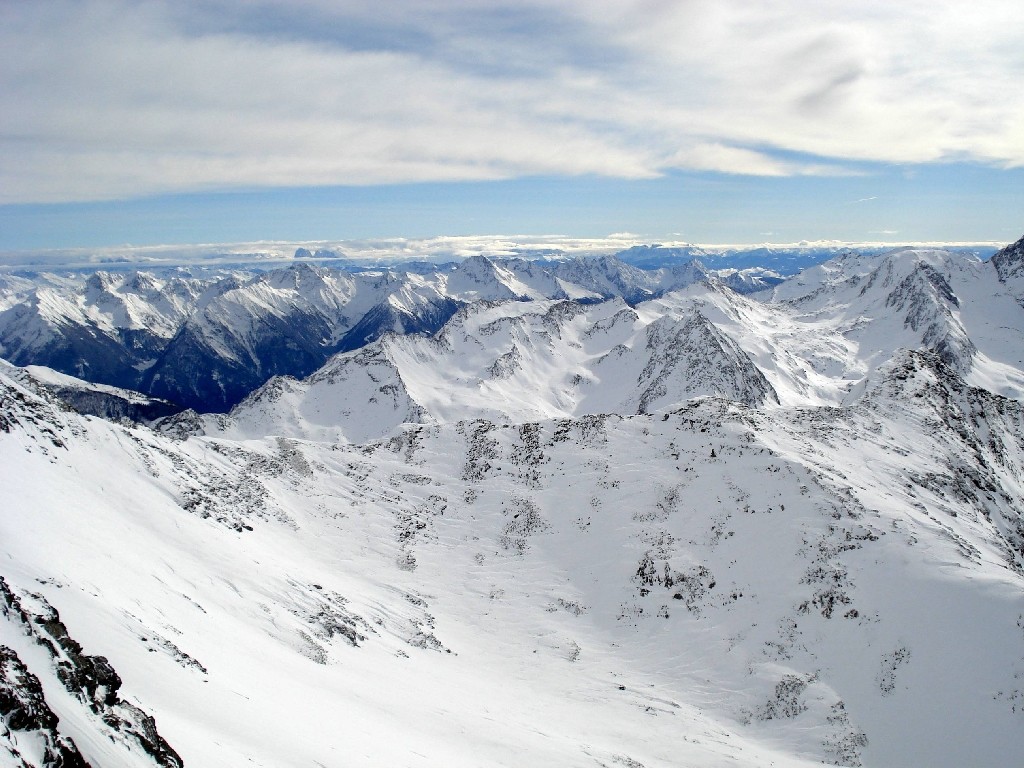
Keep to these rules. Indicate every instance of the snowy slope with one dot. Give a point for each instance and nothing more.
(716, 585)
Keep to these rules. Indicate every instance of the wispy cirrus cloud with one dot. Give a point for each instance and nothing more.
(106, 99)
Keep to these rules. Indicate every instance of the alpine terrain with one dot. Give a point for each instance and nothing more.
(515, 513)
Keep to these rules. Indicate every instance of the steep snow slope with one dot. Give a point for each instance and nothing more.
(715, 585)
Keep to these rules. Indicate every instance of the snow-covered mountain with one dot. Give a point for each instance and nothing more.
(961, 307)
(814, 341)
(206, 343)
(702, 528)
(286, 322)
(106, 329)
(515, 362)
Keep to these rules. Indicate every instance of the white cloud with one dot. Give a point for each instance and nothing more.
(112, 98)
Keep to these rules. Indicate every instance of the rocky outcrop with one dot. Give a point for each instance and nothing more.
(26, 717)
(92, 680)
(692, 358)
(1009, 262)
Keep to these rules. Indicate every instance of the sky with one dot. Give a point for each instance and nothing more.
(145, 122)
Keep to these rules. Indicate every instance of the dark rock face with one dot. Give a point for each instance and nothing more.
(694, 354)
(23, 708)
(90, 679)
(1009, 262)
(21, 696)
(385, 318)
(110, 406)
(88, 399)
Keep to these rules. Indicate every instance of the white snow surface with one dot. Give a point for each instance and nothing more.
(452, 551)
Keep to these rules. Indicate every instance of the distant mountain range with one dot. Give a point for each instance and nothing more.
(813, 340)
(206, 342)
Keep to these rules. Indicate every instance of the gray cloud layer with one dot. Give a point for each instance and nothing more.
(122, 98)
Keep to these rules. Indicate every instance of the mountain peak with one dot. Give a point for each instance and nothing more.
(1009, 261)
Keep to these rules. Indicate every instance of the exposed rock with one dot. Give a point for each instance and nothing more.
(24, 713)
(91, 679)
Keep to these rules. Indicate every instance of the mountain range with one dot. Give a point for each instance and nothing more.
(206, 342)
(583, 515)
